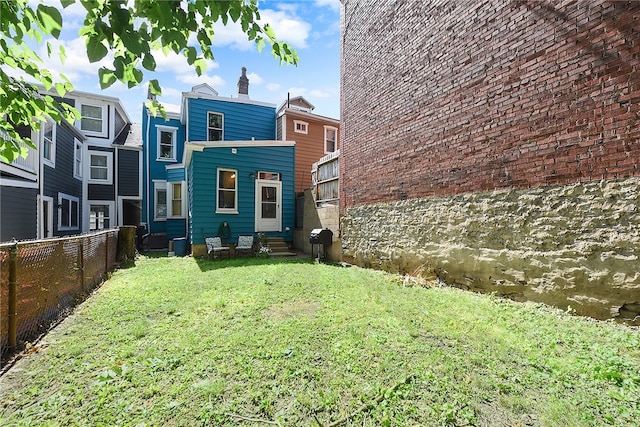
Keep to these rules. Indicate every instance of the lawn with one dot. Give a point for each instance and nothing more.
(257, 342)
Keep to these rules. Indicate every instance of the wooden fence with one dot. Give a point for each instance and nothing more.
(325, 175)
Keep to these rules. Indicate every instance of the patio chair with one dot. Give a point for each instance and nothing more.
(245, 243)
(214, 246)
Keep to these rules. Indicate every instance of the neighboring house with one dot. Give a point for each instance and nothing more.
(113, 162)
(215, 169)
(41, 195)
(315, 136)
(84, 176)
(496, 147)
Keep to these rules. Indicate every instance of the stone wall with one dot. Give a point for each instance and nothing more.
(568, 246)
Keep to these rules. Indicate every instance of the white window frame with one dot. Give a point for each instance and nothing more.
(220, 210)
(52, 161)
(71, 199)
(183, 199)
(174, 143)
(304, 127)
(109, 156)
(112, 211)
(77, 160)
(221, 128)
(160, 186)
(105, 125)
(335, 142)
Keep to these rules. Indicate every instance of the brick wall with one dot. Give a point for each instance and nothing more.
(443, 98)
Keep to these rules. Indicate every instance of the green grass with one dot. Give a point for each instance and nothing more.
(250, 342)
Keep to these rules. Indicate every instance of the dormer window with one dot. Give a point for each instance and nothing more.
(300, 126)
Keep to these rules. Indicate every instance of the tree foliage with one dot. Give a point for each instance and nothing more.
(132, 31)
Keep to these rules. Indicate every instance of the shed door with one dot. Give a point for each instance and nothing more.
(268, 205)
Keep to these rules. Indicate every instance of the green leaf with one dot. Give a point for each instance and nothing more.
(50, 19)
(149, 62)
(200, 65)
(61, 89)
(95, 49)
(107, 77)
(62, 54)
(154, 87)
(268, 30)
(66, 3)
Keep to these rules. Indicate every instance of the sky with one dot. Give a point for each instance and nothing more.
(312, 27)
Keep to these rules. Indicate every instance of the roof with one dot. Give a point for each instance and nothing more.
(297, 103)
(131, 136)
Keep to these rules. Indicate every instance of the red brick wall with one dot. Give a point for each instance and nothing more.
(460, 97)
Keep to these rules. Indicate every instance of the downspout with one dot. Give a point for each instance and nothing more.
(148, 166)
(40, 225)
(115, 188)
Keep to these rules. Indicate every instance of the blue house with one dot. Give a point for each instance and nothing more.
(214, 168)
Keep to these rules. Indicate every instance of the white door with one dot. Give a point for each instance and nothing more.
(268, 205)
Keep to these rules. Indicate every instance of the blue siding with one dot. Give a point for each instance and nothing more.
(175, 175)
(242, 121)
(176, 228)
(157, 169)
(205, 222)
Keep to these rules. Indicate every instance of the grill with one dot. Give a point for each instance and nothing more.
(319, 236)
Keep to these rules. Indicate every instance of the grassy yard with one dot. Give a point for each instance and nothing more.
(257, 342)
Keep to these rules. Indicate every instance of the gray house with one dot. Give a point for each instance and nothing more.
(84, 176)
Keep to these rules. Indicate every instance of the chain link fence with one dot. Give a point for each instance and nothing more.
(41, 281)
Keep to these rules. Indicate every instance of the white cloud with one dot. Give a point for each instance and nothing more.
(287, 26)
(255, 79)
(211, 80)
(333, 4)
(314, 93)
(273, 87)
(290, 29)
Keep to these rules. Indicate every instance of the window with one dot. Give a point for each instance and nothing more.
(167, 143)
(100, 167)
(93, 119)
(271, 176)
(68, 212)
(160, 201)
(176, 194)
(330, 139)
(300, 126)
(227, 191)
(48, 132)
(215, 127)
(77, 160)
(99, 217)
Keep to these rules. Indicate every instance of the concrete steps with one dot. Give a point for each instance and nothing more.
(279, 247)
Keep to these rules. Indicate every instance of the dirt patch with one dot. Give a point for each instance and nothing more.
(292, 309)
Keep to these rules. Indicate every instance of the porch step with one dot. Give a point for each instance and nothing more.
(279, 247)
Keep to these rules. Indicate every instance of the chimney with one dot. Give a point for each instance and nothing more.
(243, 85)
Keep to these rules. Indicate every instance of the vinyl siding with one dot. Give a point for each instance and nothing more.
(60, 179)
(309, 146)
(205, 222)
(176, 228)
(18, 213)
(242, 121)
(175, 175)
(129, 173)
